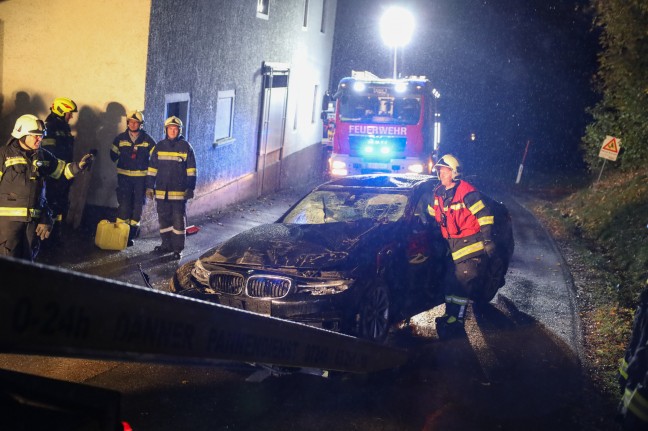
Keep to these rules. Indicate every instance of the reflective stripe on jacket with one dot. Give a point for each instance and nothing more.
(172, 169)
(132, 157)
(22, 178)
(464, 219)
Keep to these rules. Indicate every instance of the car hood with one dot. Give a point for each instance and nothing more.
(297, 245)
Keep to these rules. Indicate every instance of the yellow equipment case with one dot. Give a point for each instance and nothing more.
(112, 235)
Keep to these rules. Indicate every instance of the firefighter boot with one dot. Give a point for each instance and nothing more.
(132, 234)
(449, 327)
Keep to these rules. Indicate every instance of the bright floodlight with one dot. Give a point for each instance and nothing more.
(396, 26)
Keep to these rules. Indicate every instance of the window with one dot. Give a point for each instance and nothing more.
(314, 111)
(224, 117)
(324, 10)
(263, 9)
(305, 23)
(178, 104)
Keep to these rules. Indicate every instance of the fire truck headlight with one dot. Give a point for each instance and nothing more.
(385, 150)
(368, 149)
(400, 87)
(359, 87)
(417, 168)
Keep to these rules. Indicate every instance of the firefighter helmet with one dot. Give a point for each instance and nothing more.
(28, 124)
(135, 115)
(63, 105)
(173, 121)
(450, 161)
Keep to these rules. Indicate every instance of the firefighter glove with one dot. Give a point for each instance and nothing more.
(86, 161)
(189, 194)
(150, 193)
(43, 230)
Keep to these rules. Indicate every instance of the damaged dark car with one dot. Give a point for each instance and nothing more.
(355, 255)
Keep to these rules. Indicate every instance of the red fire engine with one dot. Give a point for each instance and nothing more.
(384, 125)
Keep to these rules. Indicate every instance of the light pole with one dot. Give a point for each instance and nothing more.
(396, 28)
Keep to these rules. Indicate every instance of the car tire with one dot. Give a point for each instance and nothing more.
(374, 313)
(181, 279)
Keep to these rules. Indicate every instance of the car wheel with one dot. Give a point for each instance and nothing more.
(181, 280)
(373, 317)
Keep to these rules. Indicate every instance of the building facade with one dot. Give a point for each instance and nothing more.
(247, 78)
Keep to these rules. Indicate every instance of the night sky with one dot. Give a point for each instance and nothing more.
(508, 71)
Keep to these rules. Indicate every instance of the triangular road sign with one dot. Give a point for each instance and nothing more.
(611, 145)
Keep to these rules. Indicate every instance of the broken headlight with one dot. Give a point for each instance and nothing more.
(324, 287)
(200, 273)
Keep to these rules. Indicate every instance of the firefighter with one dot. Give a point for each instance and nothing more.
(59, 141)
(131, 150)
(171, 180)
(633, 372)
(466, 224)
(25, 217)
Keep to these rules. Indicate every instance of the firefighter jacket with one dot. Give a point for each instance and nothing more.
(172, 169)
(132, 157)
(464, 219)
(22, 182)
(58, 138)
(633, 372)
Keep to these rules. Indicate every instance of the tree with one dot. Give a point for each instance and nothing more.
(621, 80)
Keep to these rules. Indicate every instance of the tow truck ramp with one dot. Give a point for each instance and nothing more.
(50, 311)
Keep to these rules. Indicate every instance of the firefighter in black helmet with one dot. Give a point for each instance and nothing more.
(171, 181)
(25, 217)
(131, 151)
(59, 140)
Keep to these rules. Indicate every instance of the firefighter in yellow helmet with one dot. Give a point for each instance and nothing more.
(171, 180)
(465, 223)
(59, 141)
(131, 151)
(25, 217)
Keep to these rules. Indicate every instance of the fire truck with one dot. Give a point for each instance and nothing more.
(384, 125)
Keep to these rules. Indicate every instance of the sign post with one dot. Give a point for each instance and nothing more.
(521, 168)
(609, 151)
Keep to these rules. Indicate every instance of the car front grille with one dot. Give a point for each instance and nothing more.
(268, 286)
(256, 286)
(227, 282)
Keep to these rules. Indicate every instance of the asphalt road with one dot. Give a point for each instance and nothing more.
(519, 368)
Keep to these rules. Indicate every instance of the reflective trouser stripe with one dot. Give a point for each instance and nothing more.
(636, 403)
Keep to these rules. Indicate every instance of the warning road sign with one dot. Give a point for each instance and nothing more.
(610, 148)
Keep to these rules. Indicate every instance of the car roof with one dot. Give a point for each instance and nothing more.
(392, 182)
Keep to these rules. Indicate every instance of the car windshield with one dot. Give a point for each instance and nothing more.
(326, 206)
(356, 108)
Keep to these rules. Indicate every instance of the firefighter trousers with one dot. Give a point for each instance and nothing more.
(462, 281)
(131, 197)
(18, 239)
(173, 222)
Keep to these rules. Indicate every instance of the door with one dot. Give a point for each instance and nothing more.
(271, 130)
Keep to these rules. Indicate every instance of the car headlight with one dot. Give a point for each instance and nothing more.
(200, 273)
(317, 288)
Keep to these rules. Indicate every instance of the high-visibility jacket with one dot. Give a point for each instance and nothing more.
(58, 138)
(172, 169)
(132, 157)
(22, 178)
(464, 219)
(633, 372)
